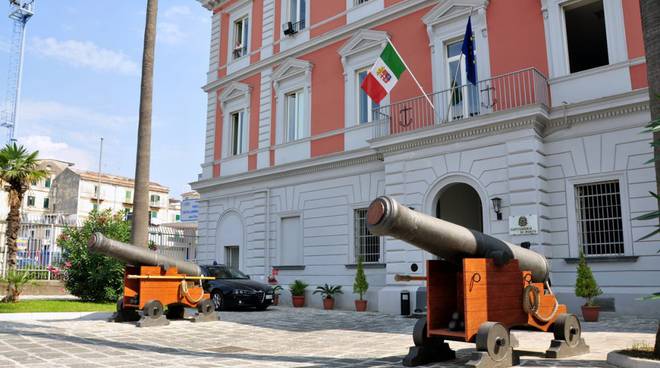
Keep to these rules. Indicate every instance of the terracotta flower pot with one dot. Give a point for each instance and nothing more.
(590, 313)
(328, 303)
(360, 305)
(276, 299)
(298, 301)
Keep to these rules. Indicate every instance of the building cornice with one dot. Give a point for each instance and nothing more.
(387, 14)
(211, 4)
(303, 167)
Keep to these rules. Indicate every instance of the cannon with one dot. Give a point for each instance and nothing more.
(154, 281)
(477, 290)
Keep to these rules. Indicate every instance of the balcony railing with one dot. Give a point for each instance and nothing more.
(500, 93)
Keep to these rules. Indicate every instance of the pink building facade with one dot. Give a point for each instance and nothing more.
(552, 131)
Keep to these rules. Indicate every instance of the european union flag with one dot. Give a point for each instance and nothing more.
(468, 51)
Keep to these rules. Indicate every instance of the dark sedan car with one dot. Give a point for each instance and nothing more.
(233, 289)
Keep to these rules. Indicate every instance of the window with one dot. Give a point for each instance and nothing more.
(600, 226)
(30, 201)
(238, 133)
(95, 207)
(296, 9)
(47, 183)
(47, 234)
(463, 96)
(291, 238)
(367, 245)
(358, 2)
(177, 217)
(128, 196)
(46, 202)
(153, 214)
(585, 35)
(366, 106)
(241, 28)
(231, 257)
(33, 182)
(96, 190)
(154, 199)
(294, 115)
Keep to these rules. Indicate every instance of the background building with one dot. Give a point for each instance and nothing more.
(552, 131)
(77, 193)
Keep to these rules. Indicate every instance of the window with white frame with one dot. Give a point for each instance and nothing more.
(365, 110)
(241, 32)
(359, 2)
(462, 96)
(367, 245)
(296, 15)
(238, 133)
(294, 115)
(599, 217)
(586, 38)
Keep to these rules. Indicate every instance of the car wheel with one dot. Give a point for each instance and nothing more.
(216, 298)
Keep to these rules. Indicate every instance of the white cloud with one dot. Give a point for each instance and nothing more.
(52, 111)
(170, 33)
(58, 150)
(85, 54)
(177, 11)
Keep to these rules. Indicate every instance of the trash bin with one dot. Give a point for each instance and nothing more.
(405, 303)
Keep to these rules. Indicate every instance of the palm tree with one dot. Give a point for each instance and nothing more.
(650, 12)
(18, 168)
(140, 228)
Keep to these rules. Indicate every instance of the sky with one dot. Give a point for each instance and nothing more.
(81, 82)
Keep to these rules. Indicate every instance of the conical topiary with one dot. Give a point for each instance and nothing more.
(585, 284)
(360, 286)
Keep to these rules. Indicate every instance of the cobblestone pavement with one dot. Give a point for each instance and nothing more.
(278, 337)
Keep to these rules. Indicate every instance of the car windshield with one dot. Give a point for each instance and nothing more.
(227, 273)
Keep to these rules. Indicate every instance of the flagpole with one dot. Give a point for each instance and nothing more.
(411, 74)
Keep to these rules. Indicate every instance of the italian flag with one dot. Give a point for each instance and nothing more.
(384, 74)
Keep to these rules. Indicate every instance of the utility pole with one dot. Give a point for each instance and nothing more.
(98, 193)
(140, 220)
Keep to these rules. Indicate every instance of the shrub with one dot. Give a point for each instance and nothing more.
(91, 276)
(360, 286)
(585, 284)
(16, 282)
(328, 291)
(298, 288)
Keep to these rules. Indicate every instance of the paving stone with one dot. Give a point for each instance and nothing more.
(278, 337)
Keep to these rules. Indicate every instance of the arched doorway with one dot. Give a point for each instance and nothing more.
(230, 237)
(460, 203)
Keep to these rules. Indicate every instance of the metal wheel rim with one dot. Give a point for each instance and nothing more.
(216, 298)
(570, 329)
(154, 309)
(419, 332)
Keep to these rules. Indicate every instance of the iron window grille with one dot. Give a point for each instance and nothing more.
(600, 225)
(367, 245)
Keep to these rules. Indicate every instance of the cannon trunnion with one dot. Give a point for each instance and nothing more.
(479, 289)
(160, 287)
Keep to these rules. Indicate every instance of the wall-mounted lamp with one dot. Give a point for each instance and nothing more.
(497, 207)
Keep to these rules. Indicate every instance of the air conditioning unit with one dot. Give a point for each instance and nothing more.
(288, 29)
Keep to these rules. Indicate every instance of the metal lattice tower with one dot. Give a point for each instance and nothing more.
(20, 11)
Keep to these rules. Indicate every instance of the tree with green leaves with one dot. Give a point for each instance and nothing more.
(92, 276)
(585, 284)
(360, 286)
(18, 168)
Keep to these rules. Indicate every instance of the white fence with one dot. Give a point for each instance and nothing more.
(38, 252)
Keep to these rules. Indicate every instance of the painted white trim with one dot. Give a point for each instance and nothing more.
(555, 34)
(446, 24)
(287, 42)
(571, 215)
(289, 77)
(236, 12)
(234, 98)
(280, 238)
(242, 248)
(360, 11)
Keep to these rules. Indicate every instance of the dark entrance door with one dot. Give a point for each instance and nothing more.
(460, 203)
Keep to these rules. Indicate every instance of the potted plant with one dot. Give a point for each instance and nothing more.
(277, 289)
(360, 286)
(298, 293)
(327, 293)
(586, 287)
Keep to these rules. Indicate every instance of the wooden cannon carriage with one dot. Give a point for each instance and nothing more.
(153, 282)
(480, 289)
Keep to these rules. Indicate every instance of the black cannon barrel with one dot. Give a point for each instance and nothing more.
(136, 255)
(447, 240)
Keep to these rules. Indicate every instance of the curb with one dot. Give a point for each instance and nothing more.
(59, 316)
(620, 360)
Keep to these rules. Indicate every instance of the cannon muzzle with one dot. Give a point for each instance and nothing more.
(447, 240)
(137, 256)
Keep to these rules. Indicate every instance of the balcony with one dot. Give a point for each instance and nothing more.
(505, 92)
